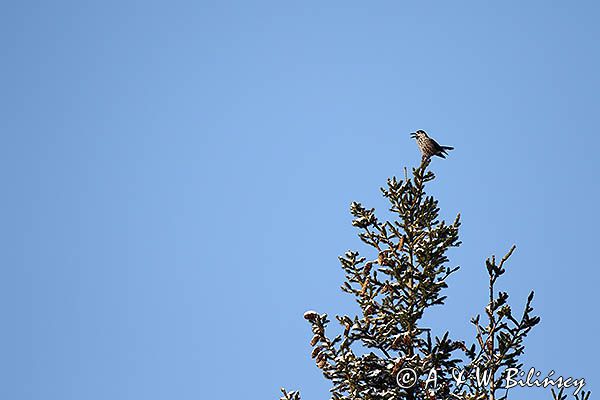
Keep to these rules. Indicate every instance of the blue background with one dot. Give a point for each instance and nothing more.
(176, 179)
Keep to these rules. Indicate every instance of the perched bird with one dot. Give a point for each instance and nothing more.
(428, 146)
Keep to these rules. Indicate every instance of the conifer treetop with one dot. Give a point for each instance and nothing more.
(404, 272)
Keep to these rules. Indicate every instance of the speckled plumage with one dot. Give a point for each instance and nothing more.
(428, 146)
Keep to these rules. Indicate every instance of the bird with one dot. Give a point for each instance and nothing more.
(428, 146)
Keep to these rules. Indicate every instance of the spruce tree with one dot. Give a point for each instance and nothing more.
(374, 356)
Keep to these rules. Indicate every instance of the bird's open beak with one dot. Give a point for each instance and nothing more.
(413, 135)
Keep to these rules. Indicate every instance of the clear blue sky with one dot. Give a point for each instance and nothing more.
(176, 179)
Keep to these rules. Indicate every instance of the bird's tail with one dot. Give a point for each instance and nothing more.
(447, 148)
